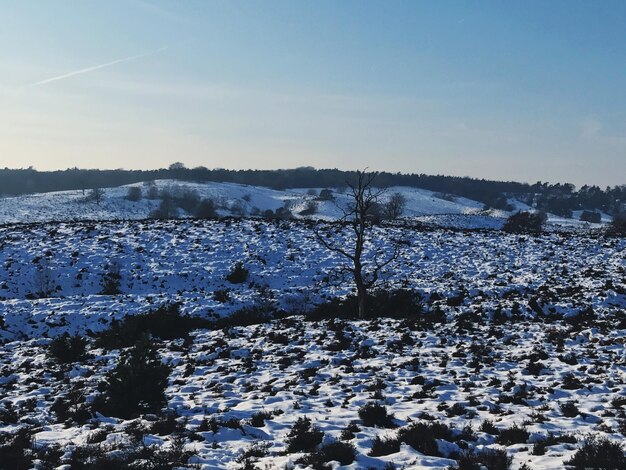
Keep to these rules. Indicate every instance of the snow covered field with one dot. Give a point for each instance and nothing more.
(519, 345)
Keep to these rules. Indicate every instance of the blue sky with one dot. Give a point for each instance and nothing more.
(522, 91)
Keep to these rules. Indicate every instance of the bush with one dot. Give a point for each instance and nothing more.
(513, 435)
(206, 210)
(492, 459)
(335, 451)
(599, 452)
(617, 226)
(375, 415)
(400, 303)
(591, 216)
(303, 436)
(310, 209)
(525, 222)
(166, 210)
(137, 384)
(326, 195)
(384, 446)
(66, 349)
(165, 322)
(421, 436)
(111, 280)
(238, 274)
(134, 194)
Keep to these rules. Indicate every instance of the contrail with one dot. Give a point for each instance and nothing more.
(97, 67)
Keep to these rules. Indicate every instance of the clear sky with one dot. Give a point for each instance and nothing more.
(525, 91)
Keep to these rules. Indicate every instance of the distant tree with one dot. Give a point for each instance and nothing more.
(326, 195)
(177, 166)
(309, 209)
(591, 216)
(525, 222)
(358, 214)
(394, 207)
(96, 195)
(167, 209)
(617, 226)
(153, 191)
(134, 194)
(206, 209)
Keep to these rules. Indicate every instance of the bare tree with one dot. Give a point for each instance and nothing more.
(364, 202)
(395, 206)
(96, 195)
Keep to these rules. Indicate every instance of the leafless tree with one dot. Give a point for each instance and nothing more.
(96, 195)
(394, 207)
(364, 202)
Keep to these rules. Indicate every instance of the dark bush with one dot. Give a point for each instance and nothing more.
(591, 216)
(421, 436)
(66, 348)
(513, 435)
(384, 446)
(165, 322)
(617, 227)
(303, 436)
(525, 222)
(134, 194)
(599, 452)
(166, 210)
(111, 280)
(335, 451)
(375, 415)
(401, 303)
(206, 209)
(238, 274)
(492, 459)
(137, 384)
(258, 419)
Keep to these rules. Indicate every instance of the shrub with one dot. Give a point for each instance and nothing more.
(492, 459)
(303, 436)
(617, 227)
(258, 419)
(66, 348)
(206, 209)
(525, 222)
(166, 210)
(599, 452)
(384, 446)
(374, 414)
(326, 195)
(15, 450)
(400, 303)
(134, 194)
(591, 216)
(421, 436)
(513, 435)
(165, 322)
(310, 208)
(238, 274)
(335, 451)
(111, 280)
(137, 384)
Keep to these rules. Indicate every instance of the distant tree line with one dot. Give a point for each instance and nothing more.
(557, 198)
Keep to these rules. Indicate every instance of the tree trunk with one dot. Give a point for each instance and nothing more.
(361, 298)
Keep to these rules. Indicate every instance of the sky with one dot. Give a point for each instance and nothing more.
(521, 91)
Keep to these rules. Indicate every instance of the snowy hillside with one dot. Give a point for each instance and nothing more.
(72, 205)
(512, 350)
